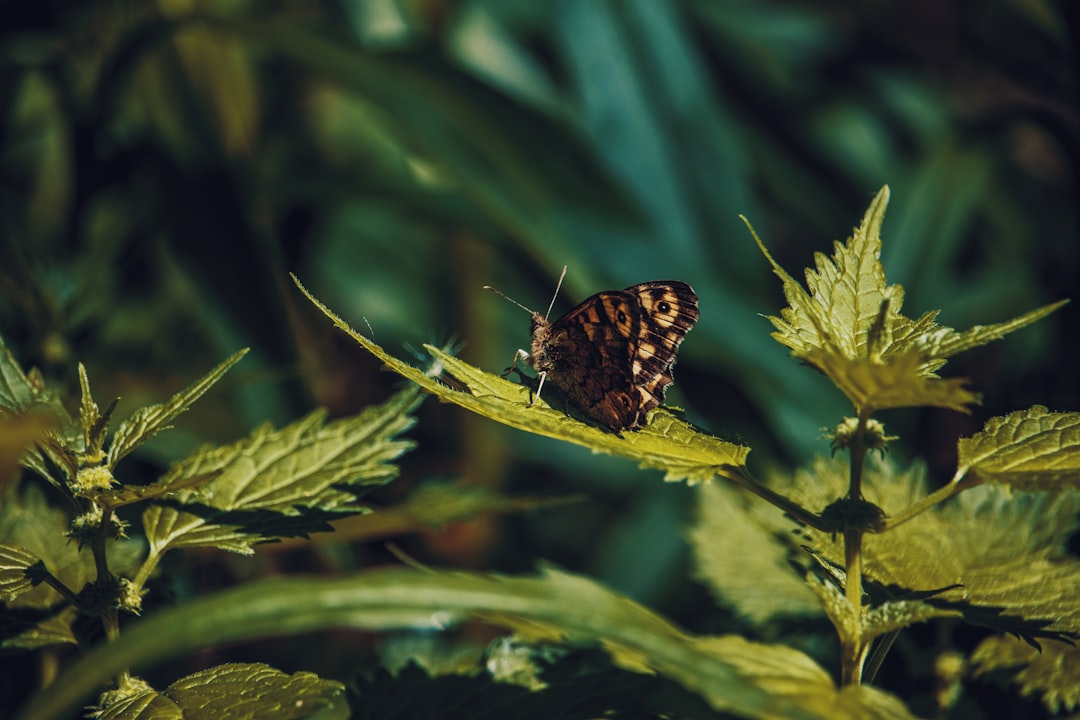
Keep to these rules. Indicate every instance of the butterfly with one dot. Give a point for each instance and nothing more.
(613, 355)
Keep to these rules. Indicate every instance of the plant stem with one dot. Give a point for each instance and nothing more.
(741, 476)
(939, 495)
(855, 653)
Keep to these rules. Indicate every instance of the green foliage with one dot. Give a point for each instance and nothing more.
(1051, 670)
(731, 673)
(273, 484)
(164, 164)
(242, 691)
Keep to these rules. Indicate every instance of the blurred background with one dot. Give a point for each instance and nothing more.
(164, 165)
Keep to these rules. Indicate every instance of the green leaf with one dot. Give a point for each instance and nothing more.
(279, 482)
(147, 421)
(757, 581)
(997, 558)
(1051, 671)
(1032, 449)
(902, 382)
(666, 443)
(236, 691)
(731, 673)
(14, 562)
(850, 327)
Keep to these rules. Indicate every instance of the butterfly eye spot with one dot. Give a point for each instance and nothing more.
(621, 316)
(663, 307)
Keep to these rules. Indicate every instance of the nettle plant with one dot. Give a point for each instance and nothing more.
(878, 551)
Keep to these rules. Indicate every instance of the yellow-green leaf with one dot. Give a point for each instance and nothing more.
(902, 381)
(147, 421)
(667, 443)
(14, 562)
(1051, 671)
(1032, 449)
(238, 691)
(848, 324)
(757, 579)
(996, 557)
(279, 482)
(732, 674)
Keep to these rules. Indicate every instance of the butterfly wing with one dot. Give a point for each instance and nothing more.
(590, 353)
(668, 310)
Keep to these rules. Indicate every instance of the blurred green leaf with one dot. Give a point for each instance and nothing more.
(758, 580)
(733, 674)
(1051, 671)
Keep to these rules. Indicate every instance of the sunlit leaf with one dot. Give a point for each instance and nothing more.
(848, 324)
(14, 562)
(900, 382)
(1032, 449)
(236, 691)
(997, 558)
(742, 549)
(279, 482)
(733, 674)
(1051, 671)
(666, 443)
(147, 421)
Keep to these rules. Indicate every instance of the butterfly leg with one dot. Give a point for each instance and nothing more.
(524, 357)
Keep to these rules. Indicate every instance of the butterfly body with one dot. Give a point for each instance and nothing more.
(613, 355)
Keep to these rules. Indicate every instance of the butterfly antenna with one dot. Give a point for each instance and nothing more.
(507, 297)
(557, 287)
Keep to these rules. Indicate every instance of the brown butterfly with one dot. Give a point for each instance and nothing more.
(613, 355)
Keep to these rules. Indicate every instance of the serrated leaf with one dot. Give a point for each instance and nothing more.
(891, 616)
(997, 558)
(1051, 672)
(757, 578)
(147, 421)
(900, 382)
(237, 691)
(14, 562)
(850, 327)
(1032, 449)
(665, 443)
(17, 390)
(944, 342)
(731, 673)
(278, 483)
